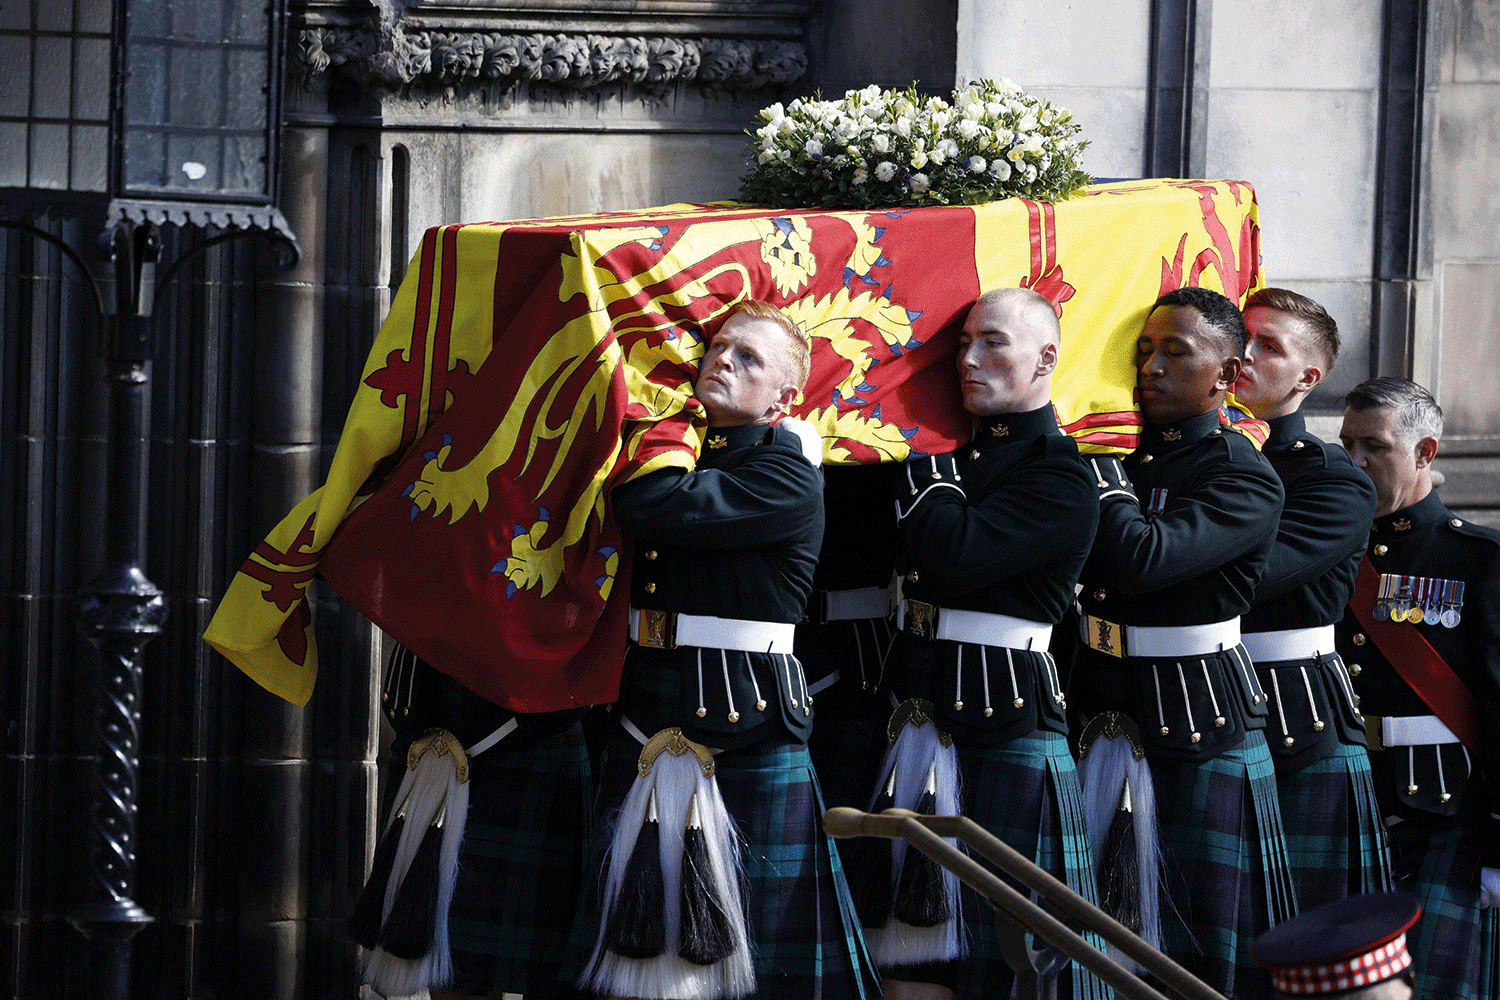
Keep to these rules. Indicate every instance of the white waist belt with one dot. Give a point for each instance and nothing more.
(1289, 644)
(1163, 641)
(865, 602)
(1414, 730)
(986, 629)
(716, 633)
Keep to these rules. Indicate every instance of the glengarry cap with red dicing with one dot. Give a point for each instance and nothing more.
(1344, 945)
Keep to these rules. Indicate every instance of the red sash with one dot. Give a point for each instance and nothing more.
(1417, 662)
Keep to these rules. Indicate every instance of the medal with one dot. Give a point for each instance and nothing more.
(1382, 610)
(1402, 602)
(1453, 599)
(1430, 612)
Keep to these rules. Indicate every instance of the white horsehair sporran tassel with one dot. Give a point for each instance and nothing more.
(924, 764)
(678, 775)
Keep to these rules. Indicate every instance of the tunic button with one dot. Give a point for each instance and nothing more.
(651, 553)
(1099, 594)
(650, 587)
(1354, 669)
(1359, 638)
(1381, 549)
(1456, 522)
(912, 576)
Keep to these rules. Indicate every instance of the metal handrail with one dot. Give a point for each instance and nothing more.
(926, 833)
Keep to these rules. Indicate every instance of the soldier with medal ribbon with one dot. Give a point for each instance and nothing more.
(1335, 837)
(992, 536)
(1169, 716)
(1421, 638)
(718, 881)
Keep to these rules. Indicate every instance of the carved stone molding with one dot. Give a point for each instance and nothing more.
(391, 57)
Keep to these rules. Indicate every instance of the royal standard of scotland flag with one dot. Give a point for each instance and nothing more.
(526, 367)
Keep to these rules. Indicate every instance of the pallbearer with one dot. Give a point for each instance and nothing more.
(1168, 714)
(719, 882)
(993, 538)
(1335, 836)
(1422, 639)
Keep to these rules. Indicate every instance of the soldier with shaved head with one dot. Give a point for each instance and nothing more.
(992, 536)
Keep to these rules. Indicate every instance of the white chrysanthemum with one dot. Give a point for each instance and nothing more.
(1000, 170)
(948, 148)
(885, 170)
(919, 183)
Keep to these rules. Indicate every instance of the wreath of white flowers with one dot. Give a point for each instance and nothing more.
(885, 148)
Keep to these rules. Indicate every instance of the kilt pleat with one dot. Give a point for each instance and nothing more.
(805, 936)
(1227, 877)
(1026, 793)
(521, 866)
(1453, 935)
(1335, 836)
(848, 738)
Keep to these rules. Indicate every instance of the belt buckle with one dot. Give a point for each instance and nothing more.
(921, 619)
(1105, 637)
(658, 629)
(1373, 733)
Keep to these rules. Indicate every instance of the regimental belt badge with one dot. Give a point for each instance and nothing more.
(920, 619)
(1105, 637)
(1419, 600)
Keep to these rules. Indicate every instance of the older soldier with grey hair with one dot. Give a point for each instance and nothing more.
(1422, 639)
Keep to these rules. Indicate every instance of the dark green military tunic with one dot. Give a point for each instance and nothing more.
(738, 538)
(1185, 542)
(1438, 800)
(1335, 837)
(1001, 526)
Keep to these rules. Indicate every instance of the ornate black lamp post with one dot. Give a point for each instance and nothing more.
(147, 115)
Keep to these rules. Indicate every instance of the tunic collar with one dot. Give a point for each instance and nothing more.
(717, 439)
(1164, 437)
(1000, 428)
(1421, 514)
(1285, 429)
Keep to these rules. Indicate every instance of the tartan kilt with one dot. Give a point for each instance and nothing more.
(804, 934)
(1026, 793)
(1454, 941)
(1334, 834)
(521, 866)
(848, 738)
(1226, 877)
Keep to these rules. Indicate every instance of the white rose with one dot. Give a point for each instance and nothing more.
(968, 128)
(813, 148)
(881, 143)
(860, 176)
(977, 164)
(885, 170)
(903, 127)
(939, 155)
(919, 183)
